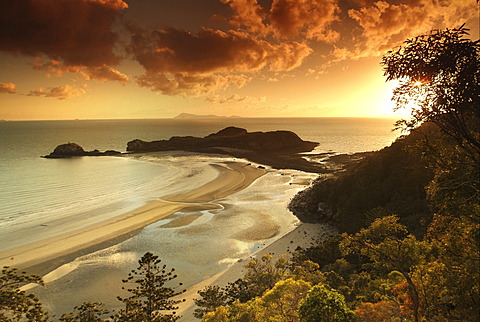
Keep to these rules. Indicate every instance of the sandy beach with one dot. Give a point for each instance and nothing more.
(51, 252)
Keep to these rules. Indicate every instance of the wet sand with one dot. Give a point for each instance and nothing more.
(51, 252)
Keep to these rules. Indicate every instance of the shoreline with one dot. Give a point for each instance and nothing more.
(50, 253)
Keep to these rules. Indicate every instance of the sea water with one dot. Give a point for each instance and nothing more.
(37, 193)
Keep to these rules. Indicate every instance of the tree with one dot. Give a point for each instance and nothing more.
(150, 295)
(439, 72)
(87, 312)
(378, 312)
(324, 305)
(261, 275)
(308, 271)
(15, 304)
(278, 304)
(282, 301)
(388, 245)
(211, 298)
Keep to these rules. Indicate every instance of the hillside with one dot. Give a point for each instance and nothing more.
(391, 180)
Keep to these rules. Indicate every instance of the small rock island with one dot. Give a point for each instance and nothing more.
(69, 150)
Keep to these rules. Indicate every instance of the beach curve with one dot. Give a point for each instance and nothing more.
(49, 253)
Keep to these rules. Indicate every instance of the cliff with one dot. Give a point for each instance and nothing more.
(278, 149)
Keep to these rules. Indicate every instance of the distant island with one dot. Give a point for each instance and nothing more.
(202, 116)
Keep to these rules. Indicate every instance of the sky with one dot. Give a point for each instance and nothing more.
(117, 59)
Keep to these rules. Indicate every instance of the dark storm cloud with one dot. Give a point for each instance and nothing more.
(78, 33)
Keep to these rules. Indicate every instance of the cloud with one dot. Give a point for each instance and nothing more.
(103, 73)
(310, 18)
(190, 85)
(76, 33)
(249, 14)
(386, 24)
(210, 51)
(60, 92)
(106, 73)
(180, 62)
(235, 98)
(8, 88)
(54, 67)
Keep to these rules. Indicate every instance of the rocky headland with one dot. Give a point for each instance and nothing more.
(278, 149)
(69, 150)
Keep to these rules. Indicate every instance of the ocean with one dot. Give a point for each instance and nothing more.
(69, 193)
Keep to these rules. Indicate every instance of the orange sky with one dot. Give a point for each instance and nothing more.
(86, 59)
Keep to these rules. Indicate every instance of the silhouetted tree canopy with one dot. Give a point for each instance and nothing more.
(439, 76)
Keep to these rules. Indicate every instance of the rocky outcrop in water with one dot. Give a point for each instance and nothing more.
(69, 150)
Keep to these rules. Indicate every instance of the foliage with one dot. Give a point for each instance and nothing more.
(235, 312)
(324, 252)
(149, 296)
(282, 301)
(456, 242)
(261, 275)
(278, 304)
(388, 244)
(324, 305)
(15, 304)
(308, 271)
(211, 298)
(87, 312)
(439, 73)
(378, 312)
